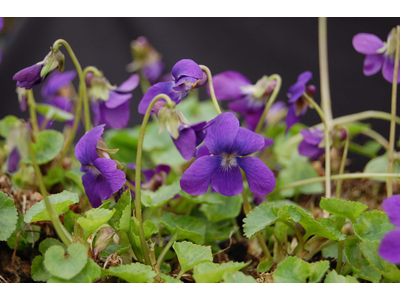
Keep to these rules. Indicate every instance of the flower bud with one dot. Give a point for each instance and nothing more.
(99, 87)
(171, 119)
(103, 238)
(263, 87)
(55, 59)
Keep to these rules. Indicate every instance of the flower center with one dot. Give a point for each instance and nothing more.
(228, 161)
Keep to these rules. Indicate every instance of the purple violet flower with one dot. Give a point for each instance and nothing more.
(111, 105)
(250, 100)
(190, 136)
(155, 178)
(13, 161)
(298, 107)
(379, 54)
(228, 143)
(186, 75)
(101, 178)
(389, 248)
(312, 143)
(29, 77)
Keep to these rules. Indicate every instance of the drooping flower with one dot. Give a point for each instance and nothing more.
(312, 144)
(13, 161)
(56, 93)
(298, 107)
(228, 143)
(145, 60)
(185, 136)
(22, 98)
(186, 75)
(110, 105)
(379, 54)
(101, 178)
(389, 248)
(250, 100)
(155, 178)
(34, 75)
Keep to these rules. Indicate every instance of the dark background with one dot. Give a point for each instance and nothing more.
(252, 46)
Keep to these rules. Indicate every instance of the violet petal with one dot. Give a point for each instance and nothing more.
(367, 43)
(391, 207)
(247, 142)
(227, 85)
(187, 67)
(86, 148)
(389, 249)
(128, 85)
(116, 99)
(227, 181)
(372, 64)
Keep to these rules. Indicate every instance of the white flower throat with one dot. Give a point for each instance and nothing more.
(228, 161)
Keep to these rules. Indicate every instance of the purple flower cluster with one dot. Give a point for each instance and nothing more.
(389, 248)
(379, 54)
(102, 178)
(312, 144)
(229, 144)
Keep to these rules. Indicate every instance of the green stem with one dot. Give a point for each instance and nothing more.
(343, 162)
(298, 235)
(389, 186)
(130, 185)
(58, 226)
(168, 246)
(311, 254)
(261, 242)
(270, 101)
(334, 177)
(92, 69)
(180, 274)
(82, 85)
(144, 83)
(324, 71)
(133, 246)
(327, 145)
(340, 258)
(32, 111)
(138, 204)
(211, 86)
(369, 114)
(377, 137)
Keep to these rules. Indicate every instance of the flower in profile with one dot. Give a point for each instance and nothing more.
(34, 75)
(312, 144)
(389, 248)
(56, 93)
(186, 75)
(250, 100)
(185, 136)
(22, 98)
(13, 161)
(155, 178)
(146, 60)
(101, 178)
(110, 104)
(228, 143)
(298, 104)
(379, 54)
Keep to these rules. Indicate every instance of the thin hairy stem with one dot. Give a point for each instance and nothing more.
(32, 111)
(343, 162)
(160, 259)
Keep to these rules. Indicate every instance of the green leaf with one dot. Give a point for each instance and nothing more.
(133, 273)
(6, 123)
(69, 220)
(90, 272)
(25, 239)
(369, 149)
(372, 225)
(260, 217)
(8, 217)
(207, 198)
(94, 218)
(53, 113)
(111, 249)
(48, 243)
(333, 277)
(265, 265)
(299, 169)
(76, 176)
(149, 228)
(169, 279)
(379, 165)
(48, 145)
(65, 266)
(185, 227)
(60, 202)
(53, 177)
(38, 270)
(370, 252)
(230, 208)
(238, 277)
(210, 272)
(190, 255)
(368, 272)
(122, 217)
(161, 195)
(318, 270)
(343, 208)
(350, 252)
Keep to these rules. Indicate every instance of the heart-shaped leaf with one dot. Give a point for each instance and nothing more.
(65, 265)
(210, 272)
(190, 255)
(94, 218)
(48, 145)
(260, 217)
(133, 273)
(343, 208)
(60, 202)
(333, 277)
(38, 270)
(372, 225)
(90, 272)
(161, 195)
(238, 277)
(228, 209)
(6, 123)
(8, 216)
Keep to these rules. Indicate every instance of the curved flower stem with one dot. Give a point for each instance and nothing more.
(334, 177)
(144, 83)
(323, 66)
(368, 114)
(247, 209)
(93, 70)
(343, 162)
(131, 186)
(377, 137)
(58, 226)
(327, 145)
(160, 258)
(138, 204)
(32, 111)
(82, 85)
(298, 235)
(389, 187)
(211, 86)
(270, 101)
